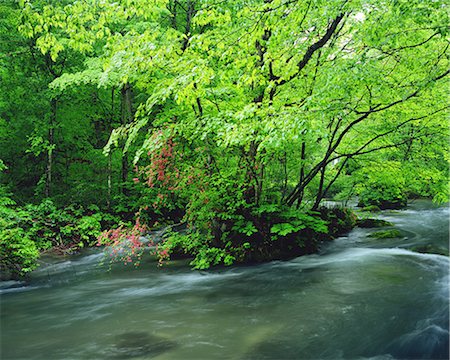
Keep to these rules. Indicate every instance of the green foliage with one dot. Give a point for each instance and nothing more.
(207, 257)
(246, 234)
(383, 185)
(67, 229)
(89, 227)
(295, 222)
(430, 182)
(5, 197)
(339, 220)
(250, 114)
(244, 227)
(24, 232)
(18, 253)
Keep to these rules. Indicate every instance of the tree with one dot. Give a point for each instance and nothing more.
(265, 105)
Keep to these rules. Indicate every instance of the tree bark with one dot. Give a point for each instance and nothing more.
(319, 195)
(127, 117)
(109, 178)
(190, 12)
(51, 141)
(302, 172)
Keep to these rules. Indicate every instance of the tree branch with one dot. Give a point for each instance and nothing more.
(326, 159)
(314, 47)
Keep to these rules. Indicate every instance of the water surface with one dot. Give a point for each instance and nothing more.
(361, 298)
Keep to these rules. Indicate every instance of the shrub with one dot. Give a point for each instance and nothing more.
(65, 230)
(18, 253)
(382, 185)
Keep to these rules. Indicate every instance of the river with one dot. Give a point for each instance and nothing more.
(360, 298)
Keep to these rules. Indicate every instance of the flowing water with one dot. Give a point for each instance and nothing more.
(361, 298)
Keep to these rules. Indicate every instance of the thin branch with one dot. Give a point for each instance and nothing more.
(390, 131)
(331, 149)
(391, 52)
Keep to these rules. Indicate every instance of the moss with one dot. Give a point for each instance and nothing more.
(373, 223)
(386, 234)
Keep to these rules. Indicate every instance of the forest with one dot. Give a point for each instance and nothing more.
(235, 119)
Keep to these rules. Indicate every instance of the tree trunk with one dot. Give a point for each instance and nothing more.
(320, 194)
(127, 117)
(51, 140)
(109, 169)
(302, 172)
(283, 162)
(190, 12)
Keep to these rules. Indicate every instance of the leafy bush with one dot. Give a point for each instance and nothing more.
(254, 234)
(25, 232)
(382, 185)
(65, 230)
(18, 253)
(430, 182)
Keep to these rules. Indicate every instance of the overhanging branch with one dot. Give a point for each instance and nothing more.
(313, 48)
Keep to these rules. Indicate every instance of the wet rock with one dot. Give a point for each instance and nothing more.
(373, 223)
(140, 343)
(393, 205)
(430, 249)
(386, 234)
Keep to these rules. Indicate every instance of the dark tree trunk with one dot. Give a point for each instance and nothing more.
(51, 141)
(320, 194)
(127, 117)
(109, 171)
(190, 12)
(302, 172)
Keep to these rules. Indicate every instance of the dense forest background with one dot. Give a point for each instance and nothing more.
(236, 118)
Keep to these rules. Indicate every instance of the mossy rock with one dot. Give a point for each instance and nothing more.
(430, 249)
(386, 234)
(371, 208)
(394, 204)
(340, 220)
(373, 223)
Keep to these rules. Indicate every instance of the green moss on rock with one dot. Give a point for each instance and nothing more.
(386, 234)
(371, 208)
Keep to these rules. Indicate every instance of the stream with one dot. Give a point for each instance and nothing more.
(360, 298)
